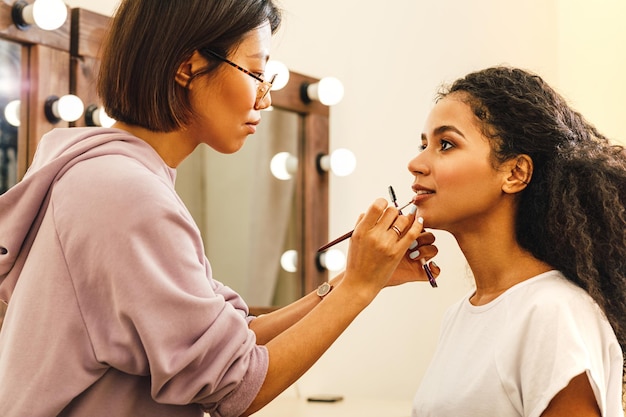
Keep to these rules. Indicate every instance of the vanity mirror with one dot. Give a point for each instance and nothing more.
(251, 220)
(10, 75)
(28, 58)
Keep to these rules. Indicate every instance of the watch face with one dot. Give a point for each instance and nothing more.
(324, 289)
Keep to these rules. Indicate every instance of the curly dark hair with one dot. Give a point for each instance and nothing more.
(572, 215)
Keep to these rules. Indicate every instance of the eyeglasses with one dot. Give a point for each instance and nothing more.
(263, 87)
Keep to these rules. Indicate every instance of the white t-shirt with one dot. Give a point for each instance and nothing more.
(511, 356)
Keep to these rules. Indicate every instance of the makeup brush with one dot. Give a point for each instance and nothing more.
(394, 200)
(349, 234)
(392, 196)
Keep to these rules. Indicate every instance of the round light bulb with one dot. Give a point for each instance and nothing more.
(329, 91)
(281, 71)
(289, 261)
(49, 14)
(69, 108)
(342, 162)
(12, 113)
(333, 260)
(284, 165)
(102, 118)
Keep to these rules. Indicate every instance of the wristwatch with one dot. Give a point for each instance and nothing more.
(324, 289)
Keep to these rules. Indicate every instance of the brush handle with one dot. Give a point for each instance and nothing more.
(338, 240)
(429, 274)
(349, 234)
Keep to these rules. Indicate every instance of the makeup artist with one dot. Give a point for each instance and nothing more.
(536, 199)
(112, 306)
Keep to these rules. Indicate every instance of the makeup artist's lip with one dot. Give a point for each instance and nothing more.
(252, 126)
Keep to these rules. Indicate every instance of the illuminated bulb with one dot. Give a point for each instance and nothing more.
(332, 260)
(69, 108)
(281, 71)
(96, 116)
(46, 14)
(289, 261)
(284, 165)
(12, 113)
(104, 119)
(49, 14)
(328, 91)
(341, 162)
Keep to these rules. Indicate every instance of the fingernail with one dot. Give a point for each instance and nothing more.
(412, 209)
(420, 219)
(434, 264)
(413, 245)
(414, 254)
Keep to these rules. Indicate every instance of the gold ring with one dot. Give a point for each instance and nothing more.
(398, 231)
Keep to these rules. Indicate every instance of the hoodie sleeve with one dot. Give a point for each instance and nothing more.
(137, 263)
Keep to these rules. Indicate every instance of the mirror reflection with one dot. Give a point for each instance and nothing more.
(248, 218)
(9, 111)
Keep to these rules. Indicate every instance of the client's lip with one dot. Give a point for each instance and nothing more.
(420, 192)
(418, 189)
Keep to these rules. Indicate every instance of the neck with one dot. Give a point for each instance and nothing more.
(497, 262)
(173, 147)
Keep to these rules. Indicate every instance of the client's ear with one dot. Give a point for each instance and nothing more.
(520, 171)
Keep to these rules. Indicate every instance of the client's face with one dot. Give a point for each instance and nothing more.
(457, 185)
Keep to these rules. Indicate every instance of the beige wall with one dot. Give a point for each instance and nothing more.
(105, 7)
(391, 57)
(592, 61)
(391, 60)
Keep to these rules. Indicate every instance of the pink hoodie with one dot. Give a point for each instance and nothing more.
(112, 309)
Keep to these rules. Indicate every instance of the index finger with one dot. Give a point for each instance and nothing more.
(373, 213)
(415, 229)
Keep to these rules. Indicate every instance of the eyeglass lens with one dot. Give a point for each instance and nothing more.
(264, 88)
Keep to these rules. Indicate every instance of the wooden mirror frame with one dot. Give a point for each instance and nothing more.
(312, 183)
(43, 52)
(88, 29)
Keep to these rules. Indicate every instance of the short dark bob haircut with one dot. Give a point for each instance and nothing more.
(150, 39)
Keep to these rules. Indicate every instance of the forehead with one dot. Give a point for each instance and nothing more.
(256, 43)
(451, 110)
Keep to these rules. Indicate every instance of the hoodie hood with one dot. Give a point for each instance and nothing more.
(23, 206)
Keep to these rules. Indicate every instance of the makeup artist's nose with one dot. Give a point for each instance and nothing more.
(265, 102)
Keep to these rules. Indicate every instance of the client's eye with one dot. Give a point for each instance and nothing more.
(445, 145)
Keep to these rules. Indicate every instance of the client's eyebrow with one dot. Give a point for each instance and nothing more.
(447, 128)
(440, 130)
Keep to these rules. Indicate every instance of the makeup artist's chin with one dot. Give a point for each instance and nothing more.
(234, 145)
